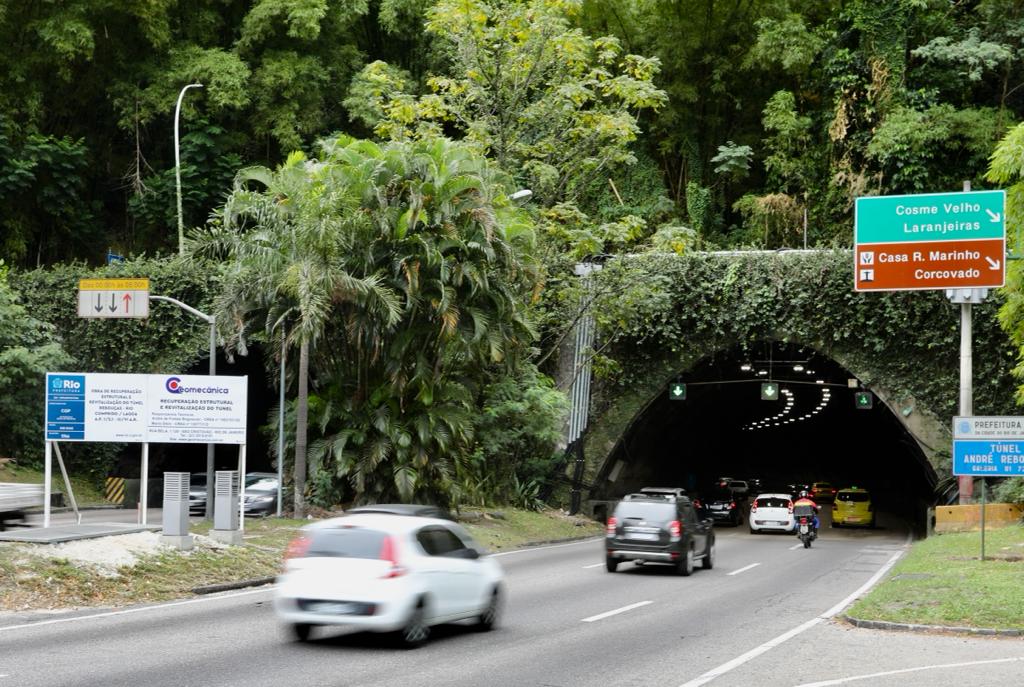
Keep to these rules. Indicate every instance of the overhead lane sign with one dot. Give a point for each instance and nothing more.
(930, 241)
(113, 298)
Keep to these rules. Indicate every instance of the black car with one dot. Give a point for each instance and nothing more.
(721, 505)
(661, 529)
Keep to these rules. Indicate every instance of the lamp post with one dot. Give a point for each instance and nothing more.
(177, 165)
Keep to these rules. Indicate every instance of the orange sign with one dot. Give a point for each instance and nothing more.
(904, 266)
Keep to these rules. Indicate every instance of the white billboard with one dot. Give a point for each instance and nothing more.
(178, 409)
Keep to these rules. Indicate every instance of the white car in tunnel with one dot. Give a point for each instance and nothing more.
(771, 513)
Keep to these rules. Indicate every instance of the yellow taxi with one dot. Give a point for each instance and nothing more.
(853, 507)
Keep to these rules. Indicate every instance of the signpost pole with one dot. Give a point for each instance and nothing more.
(983, 480)
(144, 484)
(966, 387)
(241, 487)
(47, 474)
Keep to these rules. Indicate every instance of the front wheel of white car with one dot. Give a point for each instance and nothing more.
(301, 631)
(488, 619)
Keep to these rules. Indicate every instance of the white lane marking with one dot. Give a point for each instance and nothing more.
(854, 678)
(129, 611)
(595, 565)
(772, 643)
(737, 572)
(796, 546)
(602, 616)
(589, 540)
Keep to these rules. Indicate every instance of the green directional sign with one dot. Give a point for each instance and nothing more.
(863, 400)
(769, 391)
(677, 391)
(930, 217)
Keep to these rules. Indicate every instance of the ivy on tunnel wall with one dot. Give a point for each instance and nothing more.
(659, 314)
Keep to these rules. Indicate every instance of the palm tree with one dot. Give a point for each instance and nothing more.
(287, 248)
(435, 225)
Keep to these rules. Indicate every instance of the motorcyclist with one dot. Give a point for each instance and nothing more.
(804, 499)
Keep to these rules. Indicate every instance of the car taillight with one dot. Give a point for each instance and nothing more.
(753, 507)
(297, 547)
(790, 507)
(389, 553)
(732, 505)
(675, 528)
(833, 492)
(611, 527)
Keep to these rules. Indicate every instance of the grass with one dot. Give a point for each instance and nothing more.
(942, 581)
(86, 493)
(35, 577)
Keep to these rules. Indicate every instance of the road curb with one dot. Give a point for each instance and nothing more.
(913, 627)
(229, 586)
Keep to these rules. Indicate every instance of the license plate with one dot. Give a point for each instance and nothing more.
(803, 529)
(334, 608)
(641, 536)
(716, 507)
(853, 519)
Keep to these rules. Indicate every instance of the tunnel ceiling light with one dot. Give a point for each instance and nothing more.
(762, 372)
(798, 368)
(819, 381)
(746, 367)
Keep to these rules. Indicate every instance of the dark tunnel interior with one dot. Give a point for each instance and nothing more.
(814, 431)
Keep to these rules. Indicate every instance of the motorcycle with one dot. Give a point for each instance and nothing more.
(805, 531)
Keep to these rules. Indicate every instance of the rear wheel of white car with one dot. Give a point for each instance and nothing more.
(489, 618)
(416, 630)
(302, 631)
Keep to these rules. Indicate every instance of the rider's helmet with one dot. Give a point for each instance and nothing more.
(804, 494)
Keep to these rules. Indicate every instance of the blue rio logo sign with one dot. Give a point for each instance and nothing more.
(173, 384)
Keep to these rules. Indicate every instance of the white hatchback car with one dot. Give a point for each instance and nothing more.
(387, 573)
(772, 512)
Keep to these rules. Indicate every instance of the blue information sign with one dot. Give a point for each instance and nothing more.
(993, 458)
(65, 407)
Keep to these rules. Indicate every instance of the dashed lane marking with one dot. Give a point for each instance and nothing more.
(608, 614)
(595, 565)
(796, 546)
(744, 569)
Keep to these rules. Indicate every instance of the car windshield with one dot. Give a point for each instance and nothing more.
(265, 484)
(346, 542)
(645, 511)
(853, 496)
(197, 479)
(720, 495)
(772, 502)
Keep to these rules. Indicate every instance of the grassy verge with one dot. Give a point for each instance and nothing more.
(34, 577)
(86, 493)
(942, 581)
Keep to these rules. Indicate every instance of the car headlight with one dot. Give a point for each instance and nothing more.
(263, 499)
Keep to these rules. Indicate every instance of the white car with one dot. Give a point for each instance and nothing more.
(387, 573)
(772, 512)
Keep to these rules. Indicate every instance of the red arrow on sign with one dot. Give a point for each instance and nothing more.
(127, 299)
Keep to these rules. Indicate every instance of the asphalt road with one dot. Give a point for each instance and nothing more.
(568, 622)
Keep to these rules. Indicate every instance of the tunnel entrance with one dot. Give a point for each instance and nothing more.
(812, 431)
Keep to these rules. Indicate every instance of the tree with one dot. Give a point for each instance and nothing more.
(434, 220)
(28, 350)
(288, 245)
(534, 92)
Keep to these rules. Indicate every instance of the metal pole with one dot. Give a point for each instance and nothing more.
(144, 484)
(280, 432)
(241, 487)
(177, 167)
(47, 474)
(208, 513)
(966, 483)
(983, 518)
(67, 483)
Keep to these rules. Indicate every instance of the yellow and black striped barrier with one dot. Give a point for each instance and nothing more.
(114, 490)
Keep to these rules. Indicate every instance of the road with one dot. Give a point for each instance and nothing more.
(568, 622)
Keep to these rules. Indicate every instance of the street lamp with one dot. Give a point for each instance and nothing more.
(177, 165)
